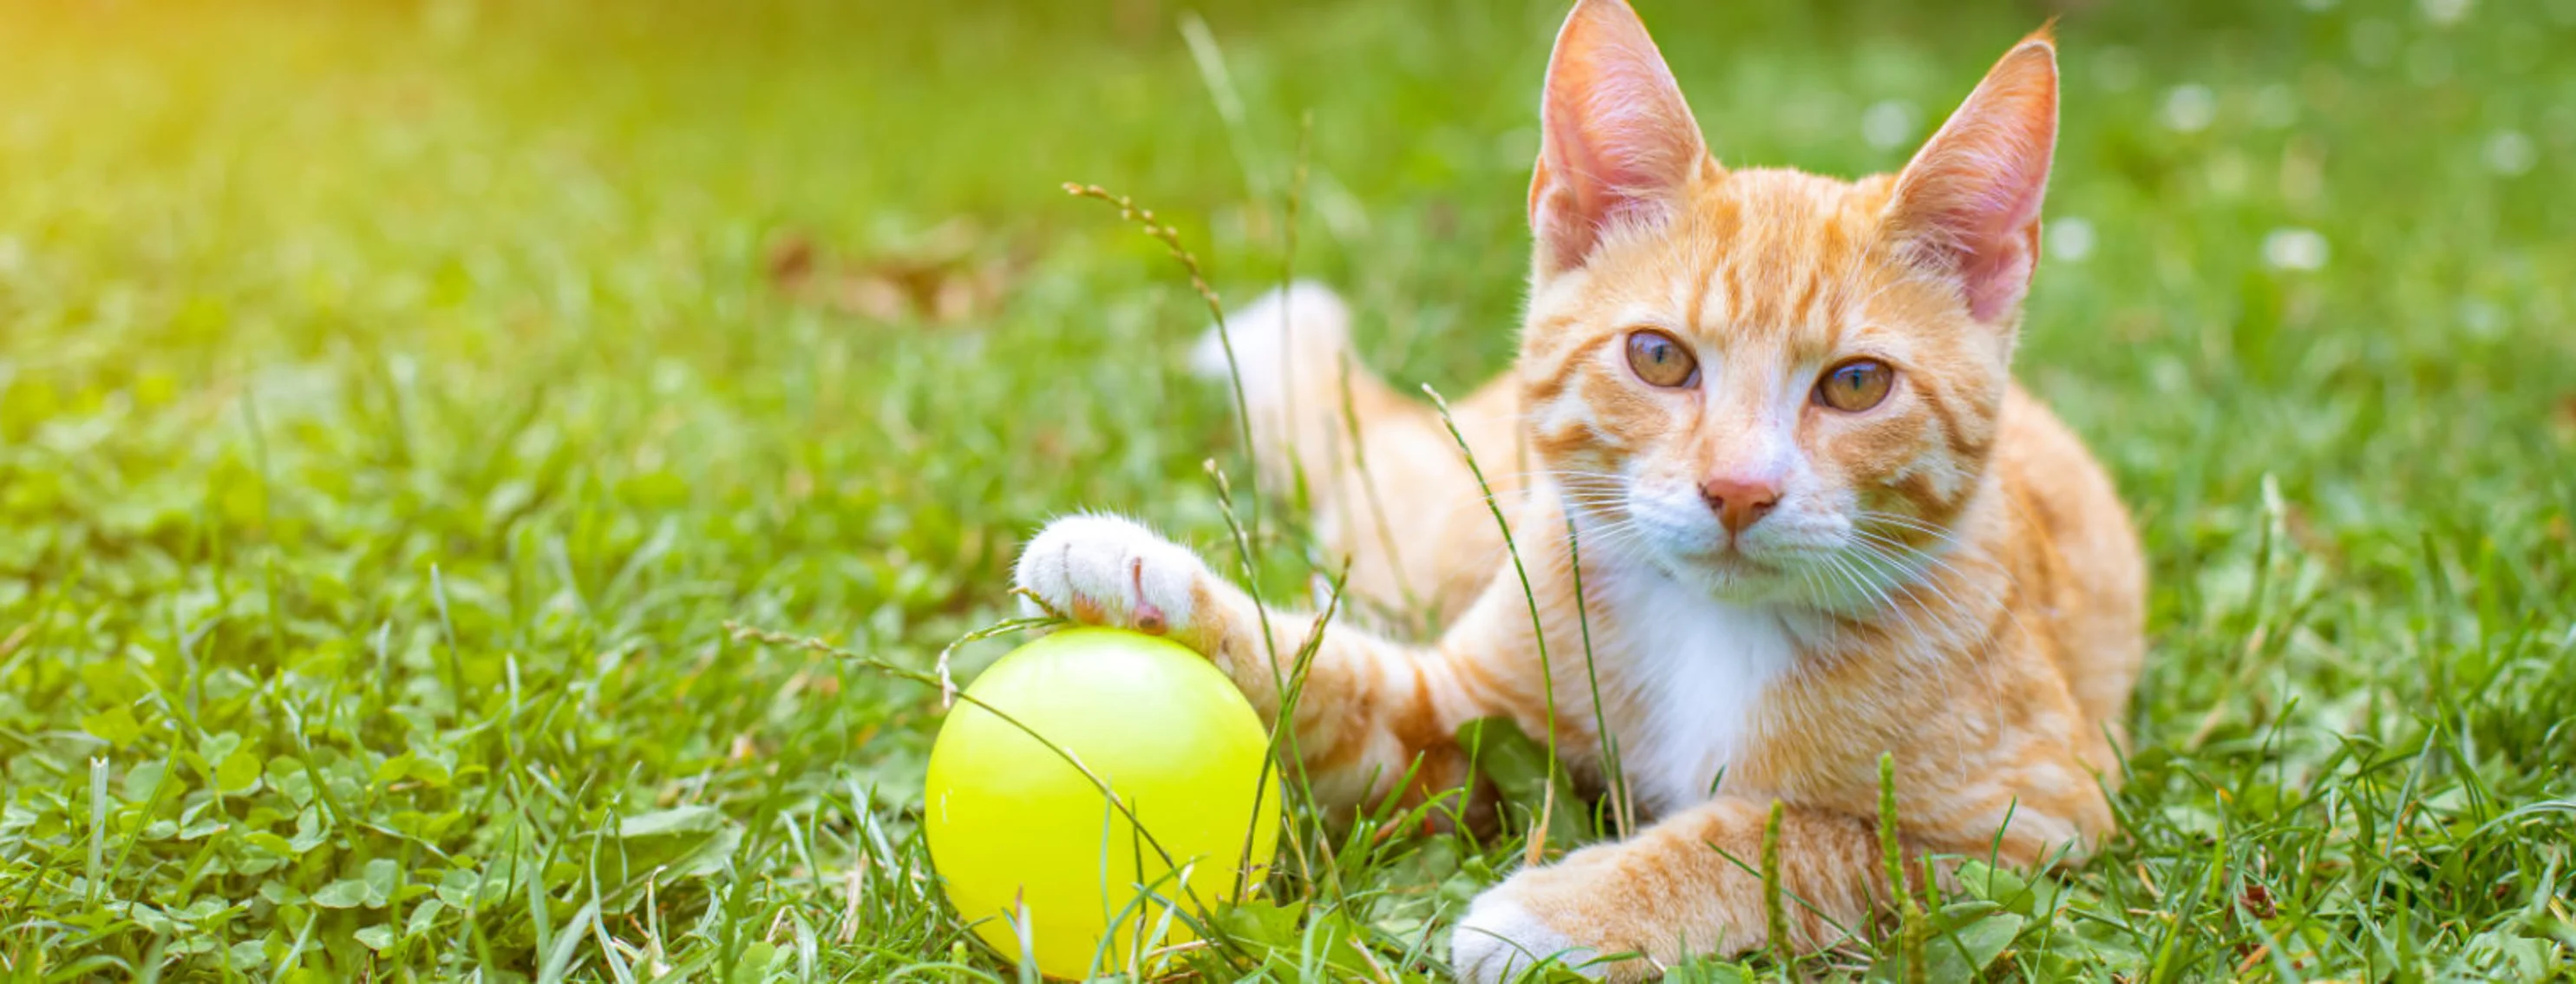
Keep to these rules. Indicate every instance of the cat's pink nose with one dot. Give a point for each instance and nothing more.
(1739, 502)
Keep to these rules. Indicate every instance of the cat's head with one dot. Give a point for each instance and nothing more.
(1779, 386)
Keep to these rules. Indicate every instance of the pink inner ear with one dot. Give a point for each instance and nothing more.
(1998, 278)
(1617, 139)
(1969, 202)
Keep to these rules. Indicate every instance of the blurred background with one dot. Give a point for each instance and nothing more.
(422, 386)
(781, 195)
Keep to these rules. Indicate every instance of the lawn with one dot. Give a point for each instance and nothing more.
(398, 403)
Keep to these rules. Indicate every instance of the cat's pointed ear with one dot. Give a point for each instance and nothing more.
(1617, 143)
(1968, 204)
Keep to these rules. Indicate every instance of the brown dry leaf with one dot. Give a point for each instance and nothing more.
(951, 274)
(2256, 901)
(2134, 325)
(791, 260)
(2303, 531)
(869, 296)
(1441, 219)
(1139, 22)
(1049, 445)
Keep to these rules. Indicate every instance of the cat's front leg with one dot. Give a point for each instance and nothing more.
(1099, 569)
(1371, 712)
(1625, 911)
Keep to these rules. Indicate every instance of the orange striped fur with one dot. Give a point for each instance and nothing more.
(1779, 587)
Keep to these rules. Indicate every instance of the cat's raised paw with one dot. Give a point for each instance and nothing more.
(1110, 570)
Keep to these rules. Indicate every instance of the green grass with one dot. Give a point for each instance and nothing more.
(395, 407)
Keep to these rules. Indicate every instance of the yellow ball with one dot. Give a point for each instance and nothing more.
(1011, 823)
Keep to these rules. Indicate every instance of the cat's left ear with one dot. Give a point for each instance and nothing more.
(1617, 143)
(1967, 206)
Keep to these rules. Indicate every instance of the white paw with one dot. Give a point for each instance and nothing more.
(1110, 570)
(1501, 938)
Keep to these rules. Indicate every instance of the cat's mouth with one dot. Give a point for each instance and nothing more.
(1727, 559)
(1689, 544)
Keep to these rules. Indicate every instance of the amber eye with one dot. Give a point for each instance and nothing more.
(1661, 360)
(1856, 385)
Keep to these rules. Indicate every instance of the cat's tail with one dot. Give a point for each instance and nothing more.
(1379, 474)
(1302, 384)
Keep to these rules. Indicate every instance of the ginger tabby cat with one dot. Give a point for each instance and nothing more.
(1817, 521)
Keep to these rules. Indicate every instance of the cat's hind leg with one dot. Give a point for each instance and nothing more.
(1384, 484)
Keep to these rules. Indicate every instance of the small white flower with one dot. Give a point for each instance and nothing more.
(2069, 239)
(2116, 69)
(2276, 107)
(2190, 108)
(2482, 320)
(2294, 249)
(1888, 123)
(2374, 42)
(2428, 63)
(2444, 11)
(2510, 153)
(2559, 123)
(2229, 173)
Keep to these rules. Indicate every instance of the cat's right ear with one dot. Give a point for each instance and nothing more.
(1967, 206)
(1617, 142)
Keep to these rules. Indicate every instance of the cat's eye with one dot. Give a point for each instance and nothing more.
(1660, 359)
(1856, 385)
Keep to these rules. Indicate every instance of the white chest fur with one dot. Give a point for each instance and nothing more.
(1691, 672)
